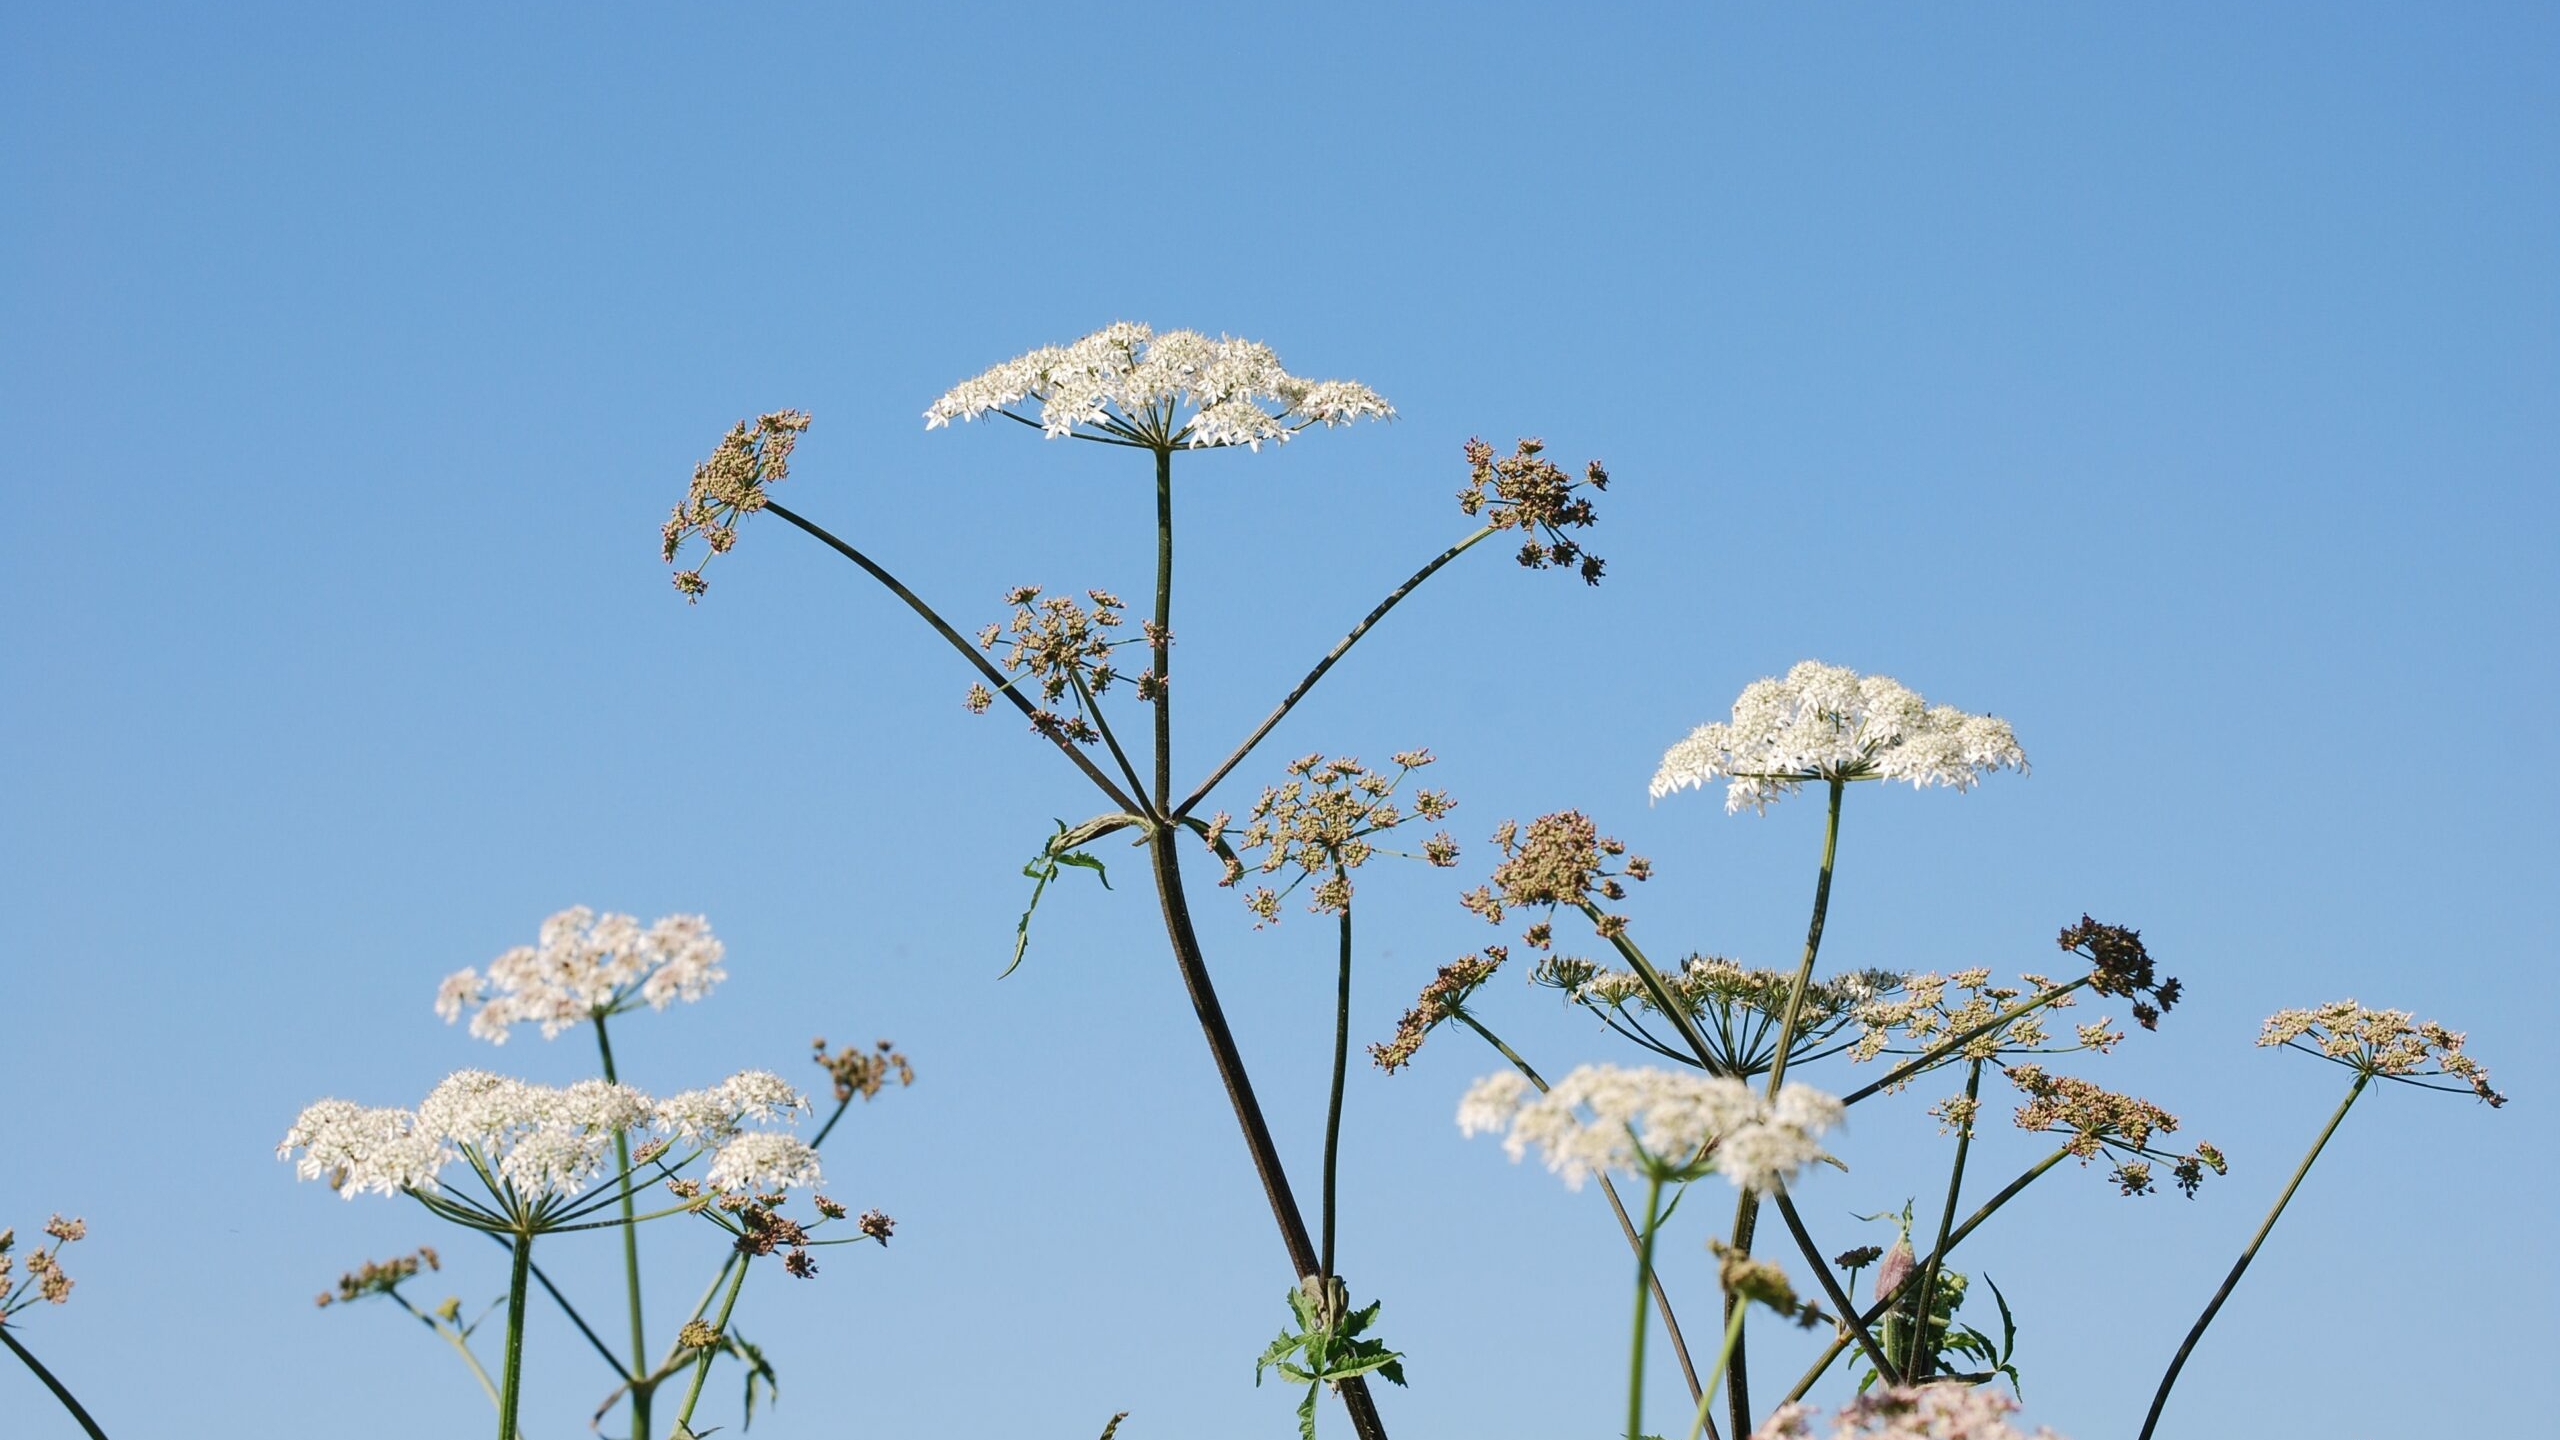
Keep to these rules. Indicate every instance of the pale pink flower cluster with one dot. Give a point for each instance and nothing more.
(544, 1141)
(1607, 1117)
(1131, 382)
(1827, 722)
(1927, 1412)
(583, 966)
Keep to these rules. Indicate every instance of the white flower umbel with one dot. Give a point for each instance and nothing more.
(1662, 1123)
(720, 1111)
(1826, 722)
(535, 1141)
(761, 1160)
(359, 1151)
(584, 967)
(1179, 389)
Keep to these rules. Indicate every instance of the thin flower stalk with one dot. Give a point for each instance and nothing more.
(1703, 1425)
(1921, 1357)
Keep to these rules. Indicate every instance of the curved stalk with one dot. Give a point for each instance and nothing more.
(994, 677)
(702, 1367)
(1922, 1356)
(1375, 615)
(60, 1391)
(2240, 1267)
(1661, 1297)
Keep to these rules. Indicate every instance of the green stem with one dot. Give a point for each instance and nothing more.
(1885, 1302)
(455, 1338)
(511, 1390)
(2241, 1266)
(1924, 1356)
(702, 1367)
(1644, 1279)
(1746, 1215)
(1617, 1207)
(1341, 1068)
(1309, 683)
(60, 1391)
(1659, 989)
(1724, 1357)
(1159, 646)
(630, 1254)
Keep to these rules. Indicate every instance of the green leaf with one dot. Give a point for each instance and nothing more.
(1042, 869)
(1307, 1414)
(758, 1370)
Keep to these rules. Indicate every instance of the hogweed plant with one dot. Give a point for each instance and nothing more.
(34, 1276)
(521, 1162)
(1091, 676)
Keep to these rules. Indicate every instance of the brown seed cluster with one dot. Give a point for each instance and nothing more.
(727, 488)
(2121, 967)
(1561, 859)
(1527, 492)
(856, 1071)
(2101, 1121)
(1322, 823)
(380, 1277)
(876, 1225)
(2389, 1043)
(1440, 1000)
(1932, 1008)
(1064, 647)
(1748, 1280)
(44, 1279)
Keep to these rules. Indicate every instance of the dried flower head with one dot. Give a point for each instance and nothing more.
(727, 488)
(1323, 822)
(584, 966)
(1931, 1009)
(1131, 386)
(1604, 1117)
(2387, 1043)
(1440, 1000)
(1527, 492)
(45, 1281)
(381, 1277)
(1739, 1009)
(1064, 647)
(1826, 722)
(856, 1071)
(875, 1225)
(1759, 1281)
(1562, 859)
(2121, 966)
(2100, 1121)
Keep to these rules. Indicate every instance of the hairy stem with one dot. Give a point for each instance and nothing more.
(2240, 1267)
(1337, 652)
(1635, 1243)
(60, 1391)
(511, 1388)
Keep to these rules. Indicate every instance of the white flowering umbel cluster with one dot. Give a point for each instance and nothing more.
(1161, 392)
(586, 966)
(1827, 722)
(1895, 1412)
(1662, 1123)
(528, 1147)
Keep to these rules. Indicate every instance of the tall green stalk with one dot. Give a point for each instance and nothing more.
(630, 1258)
(2240, 1267)
(1916, 1367)
(60, 1391)
(1644, 1289)
(511, 1387)
(1746, 1214)
(1724, 1357)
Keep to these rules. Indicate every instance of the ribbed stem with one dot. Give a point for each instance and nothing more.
(630, 1257)
(1923, 1356)
(1644, 1279)
(702, 1367)
(1341, 1069)
(511, 1386)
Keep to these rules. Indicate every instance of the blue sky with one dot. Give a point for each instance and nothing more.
(2176, 382)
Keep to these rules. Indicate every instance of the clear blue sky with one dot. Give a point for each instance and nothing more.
(2177, 381)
